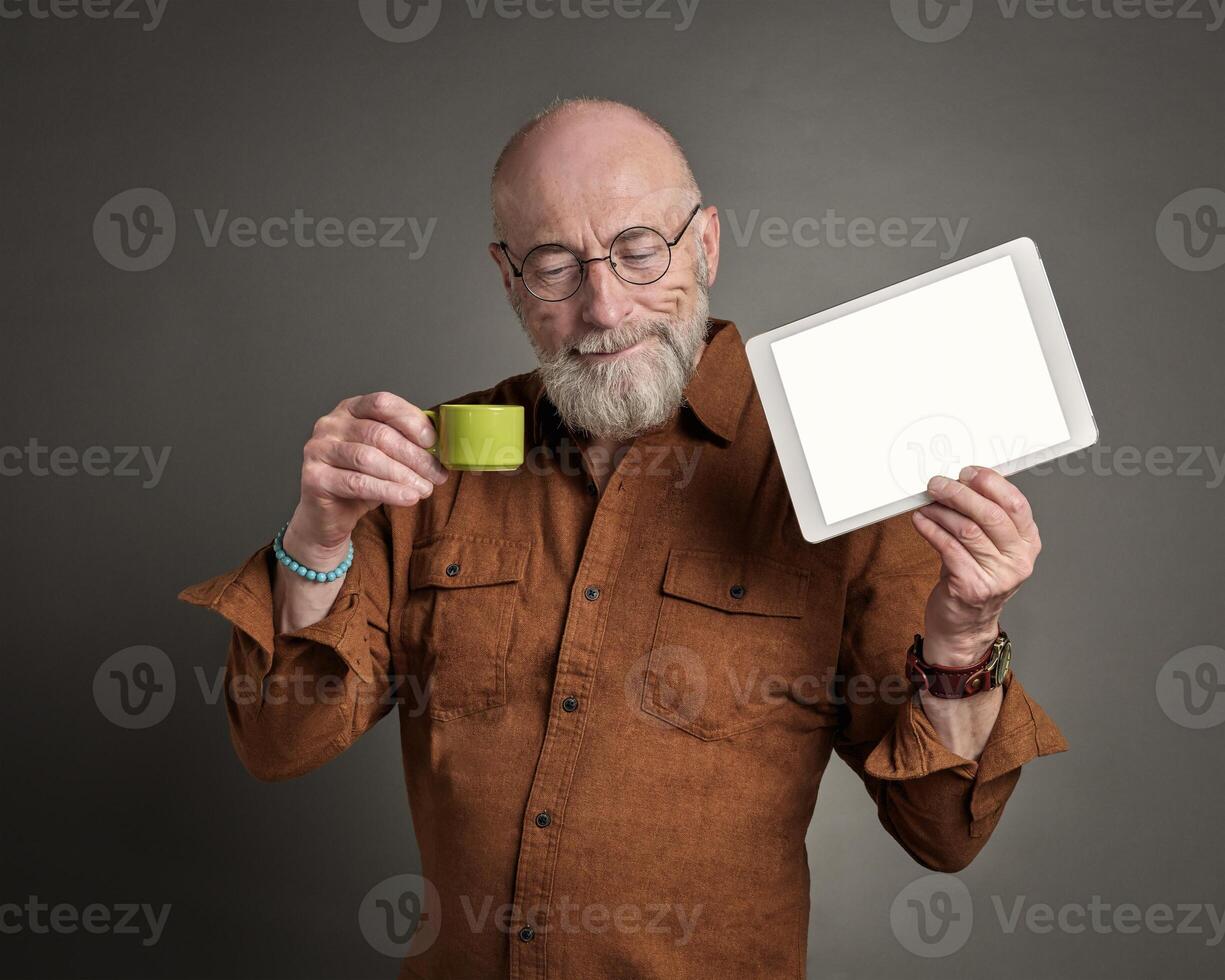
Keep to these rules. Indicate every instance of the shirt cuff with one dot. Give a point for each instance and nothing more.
(1022, 732)
(244, 597)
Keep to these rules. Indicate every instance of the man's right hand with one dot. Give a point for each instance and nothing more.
(369, 450)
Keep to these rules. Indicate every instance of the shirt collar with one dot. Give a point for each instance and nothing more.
(719, 392)
(716, 395)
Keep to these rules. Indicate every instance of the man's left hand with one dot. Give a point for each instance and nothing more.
(984, 530)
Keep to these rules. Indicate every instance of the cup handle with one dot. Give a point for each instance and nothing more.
(433, 417)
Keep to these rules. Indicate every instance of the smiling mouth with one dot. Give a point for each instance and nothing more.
(613, 355)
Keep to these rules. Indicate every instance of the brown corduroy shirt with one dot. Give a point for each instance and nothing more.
(616, 709)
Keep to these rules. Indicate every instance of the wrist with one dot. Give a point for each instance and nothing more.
(311, 553)
(958, 651)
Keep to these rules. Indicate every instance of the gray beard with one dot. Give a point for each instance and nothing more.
(624, 398)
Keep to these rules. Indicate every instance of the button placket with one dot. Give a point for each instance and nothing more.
(586, 624)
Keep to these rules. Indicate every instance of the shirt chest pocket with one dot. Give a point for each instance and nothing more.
(730, 643)
(458, 619)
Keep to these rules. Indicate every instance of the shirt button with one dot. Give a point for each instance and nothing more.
(737, 591)
(569, 703)
(591, 593)
(543, 819)
(452, 570)
(527, 934)
(591, 489)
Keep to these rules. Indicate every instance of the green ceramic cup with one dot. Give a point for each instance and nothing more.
(478, 437)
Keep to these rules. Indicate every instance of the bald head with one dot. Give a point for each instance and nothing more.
(588, 154)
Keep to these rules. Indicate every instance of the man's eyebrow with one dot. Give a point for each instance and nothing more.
(625, 225)
(545, 242)
(547, 237)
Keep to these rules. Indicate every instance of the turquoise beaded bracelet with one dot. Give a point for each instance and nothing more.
(310, 574)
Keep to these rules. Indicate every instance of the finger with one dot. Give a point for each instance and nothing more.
(392, 443)
(995, 487)
(957, 561)
(352, 485)
(987, 514)
(364, 458)
(405, 417)
(967, 533)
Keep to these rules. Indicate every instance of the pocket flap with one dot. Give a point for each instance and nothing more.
(737, 582)
(456, 561)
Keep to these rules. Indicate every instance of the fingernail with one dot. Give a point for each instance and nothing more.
(968, 473)
(426, 436)
(937, 483)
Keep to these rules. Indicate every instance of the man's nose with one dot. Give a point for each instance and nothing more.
(605, 298)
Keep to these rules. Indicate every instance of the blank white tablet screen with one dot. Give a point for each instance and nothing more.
(938, 378)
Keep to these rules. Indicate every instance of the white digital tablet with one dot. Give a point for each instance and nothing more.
(967, 364)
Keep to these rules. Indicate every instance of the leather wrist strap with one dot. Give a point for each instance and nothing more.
(984, 674)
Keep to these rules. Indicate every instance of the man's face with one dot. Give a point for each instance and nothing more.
(615, 357)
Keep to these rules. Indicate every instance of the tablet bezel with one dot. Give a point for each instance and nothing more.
(1056, 351)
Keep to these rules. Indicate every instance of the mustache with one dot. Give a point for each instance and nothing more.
(618, 338)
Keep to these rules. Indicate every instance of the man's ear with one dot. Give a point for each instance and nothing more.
(710, 241)
(499, 259)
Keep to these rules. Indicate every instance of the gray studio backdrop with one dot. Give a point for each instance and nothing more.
(848, 145)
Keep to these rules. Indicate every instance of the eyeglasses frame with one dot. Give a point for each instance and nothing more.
(583, 263)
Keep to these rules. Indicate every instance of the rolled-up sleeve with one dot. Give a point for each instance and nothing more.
(941, 808)
(297, 699)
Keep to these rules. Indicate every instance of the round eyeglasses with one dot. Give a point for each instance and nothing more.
(639, 256)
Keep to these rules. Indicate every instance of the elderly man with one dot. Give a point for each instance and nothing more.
(620, 670)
